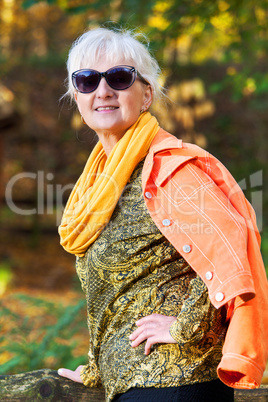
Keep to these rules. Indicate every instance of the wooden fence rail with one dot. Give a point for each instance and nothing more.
(47, 385)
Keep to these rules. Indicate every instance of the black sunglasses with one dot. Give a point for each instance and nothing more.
(119, 78)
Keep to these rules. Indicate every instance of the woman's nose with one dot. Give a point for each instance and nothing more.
(104, 90)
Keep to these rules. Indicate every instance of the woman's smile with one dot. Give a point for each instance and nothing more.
(106, 108)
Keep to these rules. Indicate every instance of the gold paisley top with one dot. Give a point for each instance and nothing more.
(132, 271)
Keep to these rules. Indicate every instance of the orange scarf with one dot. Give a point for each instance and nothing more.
(97, 191)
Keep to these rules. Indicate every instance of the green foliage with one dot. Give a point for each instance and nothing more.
(5, 276)
(49, 342)
(29, 3)
(229, 31)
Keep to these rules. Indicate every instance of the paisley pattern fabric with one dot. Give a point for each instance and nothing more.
(132, 271)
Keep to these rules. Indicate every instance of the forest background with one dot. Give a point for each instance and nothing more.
(214, 61)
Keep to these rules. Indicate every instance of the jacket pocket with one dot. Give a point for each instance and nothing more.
(170, 165)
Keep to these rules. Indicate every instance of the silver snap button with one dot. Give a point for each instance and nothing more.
(148, 195)
(166, 222)
(219, 297)
(187, 248)
(209, 275)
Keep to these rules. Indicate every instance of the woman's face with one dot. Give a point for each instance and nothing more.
(111, 112)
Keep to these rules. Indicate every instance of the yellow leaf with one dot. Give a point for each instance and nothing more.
(223, 5)
(158, 22)
(223, 22)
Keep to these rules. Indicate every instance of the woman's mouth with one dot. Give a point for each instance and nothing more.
(105, 108)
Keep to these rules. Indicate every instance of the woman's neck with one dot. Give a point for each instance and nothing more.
(108, 141)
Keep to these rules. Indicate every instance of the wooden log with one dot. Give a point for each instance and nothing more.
(252, 395)
(48, 385)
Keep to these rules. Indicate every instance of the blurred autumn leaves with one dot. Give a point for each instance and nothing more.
(42, 332)
(214, 64)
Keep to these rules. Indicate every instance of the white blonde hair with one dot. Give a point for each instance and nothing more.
(114, 45)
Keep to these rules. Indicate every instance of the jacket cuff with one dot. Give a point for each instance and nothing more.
(173, 330)
(239, 372)
(90, 376)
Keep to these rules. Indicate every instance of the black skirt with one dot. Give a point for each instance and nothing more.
(211, 391)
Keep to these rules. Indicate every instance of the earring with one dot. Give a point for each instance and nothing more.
(143, 110)
(82, 119)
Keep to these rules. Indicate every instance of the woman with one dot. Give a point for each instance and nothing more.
(165, 244)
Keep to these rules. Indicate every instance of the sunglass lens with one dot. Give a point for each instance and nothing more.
(86, 81)
(120, 78)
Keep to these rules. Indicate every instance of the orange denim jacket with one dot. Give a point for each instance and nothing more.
(201, 210)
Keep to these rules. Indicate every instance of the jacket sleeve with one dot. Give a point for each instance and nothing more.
(245, 348)
(246, 345)
(90, 375)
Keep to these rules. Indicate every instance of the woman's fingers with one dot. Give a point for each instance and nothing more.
(145, 330)
(149, 343)
(153, 318)
(152, 329)
(72, 375)
(150, 321)
(141, 336)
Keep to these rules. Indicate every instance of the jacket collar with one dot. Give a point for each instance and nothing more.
(163, 141)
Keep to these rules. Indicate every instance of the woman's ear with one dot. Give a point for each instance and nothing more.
(148, 97)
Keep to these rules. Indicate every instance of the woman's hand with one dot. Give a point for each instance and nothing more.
(154, 328)
(72, 375)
